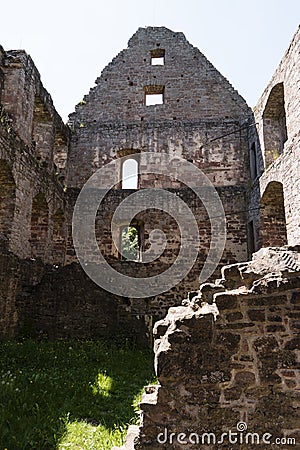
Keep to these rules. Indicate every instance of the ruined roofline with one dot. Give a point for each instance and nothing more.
(195, 66)
(2, 51)
(287, 52)
(294, 39)
(150, 29)
(20, 58)
(182, 38)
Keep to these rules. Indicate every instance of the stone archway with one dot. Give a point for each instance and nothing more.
(274, 124)
(272, 216)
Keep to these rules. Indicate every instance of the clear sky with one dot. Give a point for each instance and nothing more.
(71, 41)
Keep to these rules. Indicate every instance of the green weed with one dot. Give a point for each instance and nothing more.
(69, 394)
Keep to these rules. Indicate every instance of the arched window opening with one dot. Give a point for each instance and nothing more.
(7, 199)
(130, 174)
(39, 226)
(274, 124)
(130, 243)
(272, 214)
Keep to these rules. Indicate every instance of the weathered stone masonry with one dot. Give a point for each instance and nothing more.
(274, 194)
(212, 374)
(243, 366)
(28, 176)
(32, 199)
(44, 164)
(202, 119)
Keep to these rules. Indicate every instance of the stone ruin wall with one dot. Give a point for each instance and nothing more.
(199, 105)
(225, 161)
(37, 164)
(242, 365)
(280, 159)
(202, 119)
(30, 106)
(30, 179)
(157, 306)
(212, 374)
(33, 152)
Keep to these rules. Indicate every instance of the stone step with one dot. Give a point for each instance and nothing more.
(132, 434)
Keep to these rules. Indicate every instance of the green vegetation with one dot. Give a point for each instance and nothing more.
(69, 394)
(130, 243)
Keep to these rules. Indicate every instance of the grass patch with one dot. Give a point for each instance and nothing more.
(69, 394)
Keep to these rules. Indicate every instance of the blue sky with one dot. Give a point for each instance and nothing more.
(71, 41)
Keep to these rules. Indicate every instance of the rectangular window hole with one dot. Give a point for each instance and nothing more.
(158, 61)
(154, 95)
(154, 99)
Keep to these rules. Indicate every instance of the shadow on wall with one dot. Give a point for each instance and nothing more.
(274, 124)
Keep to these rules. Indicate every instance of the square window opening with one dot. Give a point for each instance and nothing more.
(154, 99)
(158, 61)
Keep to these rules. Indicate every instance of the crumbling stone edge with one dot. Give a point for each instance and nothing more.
(230, 353)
